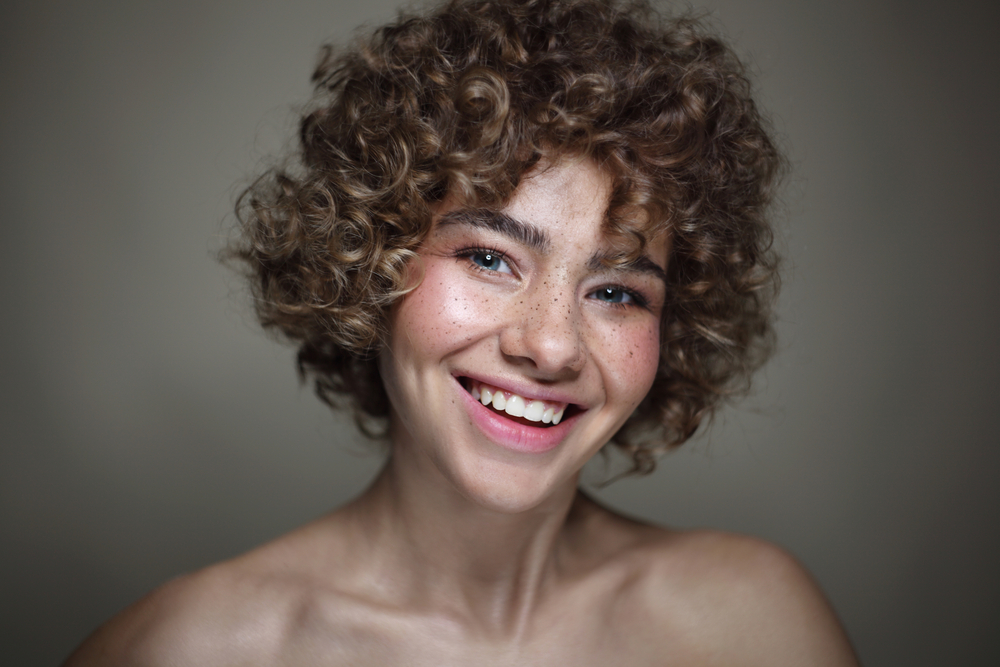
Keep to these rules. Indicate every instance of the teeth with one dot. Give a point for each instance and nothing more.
(515, 406)
(534, 411)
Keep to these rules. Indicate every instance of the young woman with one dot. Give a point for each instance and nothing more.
(521, 232)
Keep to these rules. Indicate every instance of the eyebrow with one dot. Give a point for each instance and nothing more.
(641, 264)
(501, 223)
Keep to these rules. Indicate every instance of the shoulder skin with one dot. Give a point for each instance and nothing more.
(744, 602)
(218, 616)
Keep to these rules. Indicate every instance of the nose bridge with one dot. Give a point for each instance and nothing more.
(549, 327)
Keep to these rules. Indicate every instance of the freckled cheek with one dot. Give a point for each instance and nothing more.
(446, 309)
(631, 356)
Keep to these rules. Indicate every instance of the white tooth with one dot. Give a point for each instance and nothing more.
(486, 397)
(534, 411)
(475, 392)
(547, 415)
(557, 416)
(515, 406)
(499, 402)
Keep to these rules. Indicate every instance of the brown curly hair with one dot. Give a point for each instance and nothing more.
(465, 100)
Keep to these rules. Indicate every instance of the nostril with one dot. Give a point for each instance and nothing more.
(552, 344)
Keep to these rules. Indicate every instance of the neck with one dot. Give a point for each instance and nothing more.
(439, 551)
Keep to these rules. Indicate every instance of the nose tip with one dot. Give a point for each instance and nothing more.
(547, 336)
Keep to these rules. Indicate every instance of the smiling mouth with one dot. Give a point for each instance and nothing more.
(516, 408)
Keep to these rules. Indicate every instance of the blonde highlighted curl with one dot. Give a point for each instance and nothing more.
(465, 100)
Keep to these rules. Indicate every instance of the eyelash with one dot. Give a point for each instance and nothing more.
(638, 300)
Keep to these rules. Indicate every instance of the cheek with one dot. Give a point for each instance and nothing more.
(443, 313)
(631, 356)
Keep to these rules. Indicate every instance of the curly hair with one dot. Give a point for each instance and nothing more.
(465, 100)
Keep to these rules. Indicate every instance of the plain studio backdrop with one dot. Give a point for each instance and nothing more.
(149, 428)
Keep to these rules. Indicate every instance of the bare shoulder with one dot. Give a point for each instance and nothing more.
(770, 609)
(729, 599)
(242, 611)
(215, 616)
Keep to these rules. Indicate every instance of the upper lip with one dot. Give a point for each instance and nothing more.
(525, 390)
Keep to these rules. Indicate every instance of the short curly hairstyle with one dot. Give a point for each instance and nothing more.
(467, 98)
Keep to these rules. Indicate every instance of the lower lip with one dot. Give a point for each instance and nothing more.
(513, 435)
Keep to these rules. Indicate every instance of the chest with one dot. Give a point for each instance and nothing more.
(578, 636)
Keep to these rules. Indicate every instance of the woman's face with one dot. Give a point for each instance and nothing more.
(518, 305)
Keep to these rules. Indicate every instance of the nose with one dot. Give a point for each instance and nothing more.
(544, 330)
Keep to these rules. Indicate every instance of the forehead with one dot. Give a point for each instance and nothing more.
(567, 192)
(573, 195)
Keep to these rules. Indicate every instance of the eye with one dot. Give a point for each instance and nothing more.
(616, 296)
(489, 260)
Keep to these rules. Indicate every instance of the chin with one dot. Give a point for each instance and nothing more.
(508, 482)
(516, 498)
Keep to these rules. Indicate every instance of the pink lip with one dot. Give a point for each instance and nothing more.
(513, 435)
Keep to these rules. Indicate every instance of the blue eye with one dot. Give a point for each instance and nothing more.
(490, 261)
(613, 295)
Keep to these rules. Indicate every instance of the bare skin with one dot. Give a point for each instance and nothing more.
(598, 590)
(474, 546)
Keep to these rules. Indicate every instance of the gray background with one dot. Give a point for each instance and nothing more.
(148, 428)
